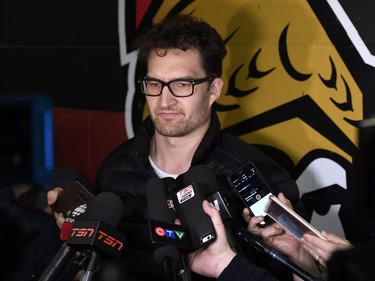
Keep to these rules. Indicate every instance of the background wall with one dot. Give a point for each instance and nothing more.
(299, 79)
(68, 50)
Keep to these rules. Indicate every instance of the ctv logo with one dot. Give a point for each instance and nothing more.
(110, 241)
(168, 233)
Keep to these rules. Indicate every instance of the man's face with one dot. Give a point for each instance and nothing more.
(180, 116)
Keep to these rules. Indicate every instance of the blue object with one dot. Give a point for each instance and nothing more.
(26, 142)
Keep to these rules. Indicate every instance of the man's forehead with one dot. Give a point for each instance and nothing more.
(175, 64)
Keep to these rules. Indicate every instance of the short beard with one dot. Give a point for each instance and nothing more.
(183, 127)
(166, 129)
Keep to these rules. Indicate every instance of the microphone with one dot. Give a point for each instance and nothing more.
(64, 257)
(67, 225)
(99, 231)
(161, 217)
(159, 212)
(157, 201)
(61, 259)
(207, 181)
(260, 246)
(167, 257)
(98, 236)
(107, 207)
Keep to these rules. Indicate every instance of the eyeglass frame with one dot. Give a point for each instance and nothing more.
(163, 84)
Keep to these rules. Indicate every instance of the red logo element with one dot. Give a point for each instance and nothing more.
(82, 232)
(110, 241)
(160, 231)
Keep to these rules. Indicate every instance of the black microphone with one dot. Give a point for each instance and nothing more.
(161, 217)
(159, 211)
(167, 256)
(59, 262)
(157, 201)
(106, 207)
(64, 259)
(207, 181)
(98, 235)
(63, 266)
(260, 246)
(99, 231)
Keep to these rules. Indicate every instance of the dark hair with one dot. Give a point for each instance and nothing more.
(185, 32)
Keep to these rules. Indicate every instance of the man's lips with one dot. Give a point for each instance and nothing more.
(167, 114)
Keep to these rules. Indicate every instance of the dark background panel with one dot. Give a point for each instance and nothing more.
(61, 22)
(362, 16)
(85, 77)
(66, 49)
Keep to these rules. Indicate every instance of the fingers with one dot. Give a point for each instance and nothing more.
(314, 242)
(52, 195)
(59, 219)
(285, 200)
(319, 249)
(251, 221)
(310, 248)
(253, 225)
(266, 233)
(271, 231)
(246, 215)
(336, 239)
(319, 255)
(321, 261)
(214, 215)
(207, 208)
(220, 246)
(51, 199)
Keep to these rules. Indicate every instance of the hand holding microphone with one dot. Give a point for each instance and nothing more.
(187, 201)
(207, 182)
(213, 259)
(63, 201)
(95, 236)
(219, 260)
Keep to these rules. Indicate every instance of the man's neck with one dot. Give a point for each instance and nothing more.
(174, 154)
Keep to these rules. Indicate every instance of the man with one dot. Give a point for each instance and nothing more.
(183, 61)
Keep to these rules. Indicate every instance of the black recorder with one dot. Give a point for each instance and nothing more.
(188, 206)
(71, 197)
(252, 190)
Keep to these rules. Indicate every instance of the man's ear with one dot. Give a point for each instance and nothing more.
(215, 90)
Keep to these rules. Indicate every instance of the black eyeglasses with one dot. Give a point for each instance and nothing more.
(178, 87)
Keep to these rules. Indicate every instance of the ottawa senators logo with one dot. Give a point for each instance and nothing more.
(288, 90)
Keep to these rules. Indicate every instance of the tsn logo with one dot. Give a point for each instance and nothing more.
(110, 241)
(82, 232)
(102, 237)
(168, 233)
